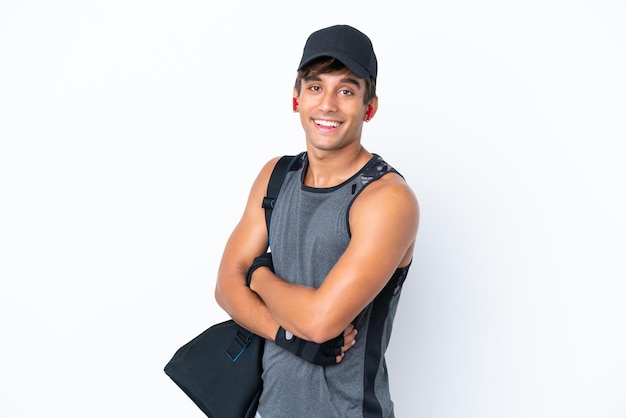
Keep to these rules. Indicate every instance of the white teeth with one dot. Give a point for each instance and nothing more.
(327, 123)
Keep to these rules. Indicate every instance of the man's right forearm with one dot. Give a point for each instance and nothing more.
(247, 309)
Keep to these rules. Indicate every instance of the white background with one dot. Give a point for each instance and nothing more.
(131, 132)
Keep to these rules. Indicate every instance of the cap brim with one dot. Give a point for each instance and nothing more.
(357, 69)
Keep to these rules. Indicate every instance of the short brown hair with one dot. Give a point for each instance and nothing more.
(327, 65)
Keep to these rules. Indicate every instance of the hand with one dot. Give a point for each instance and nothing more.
(264, 260)
(325, 354)
(349, 339)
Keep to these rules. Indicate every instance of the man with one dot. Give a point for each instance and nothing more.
(342, 237)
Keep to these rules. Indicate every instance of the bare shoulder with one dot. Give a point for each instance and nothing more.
(387, 207)
(390, 191)
(254, 216)
(266, 171)
(249, 238)
(262, 179)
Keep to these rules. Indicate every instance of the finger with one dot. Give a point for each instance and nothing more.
(348, 346)
(348, 329)
(349, 339)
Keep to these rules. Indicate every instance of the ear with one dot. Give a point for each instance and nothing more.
(372, 107)
(294, 100)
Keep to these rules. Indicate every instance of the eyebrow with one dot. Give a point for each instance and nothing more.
(348, 80)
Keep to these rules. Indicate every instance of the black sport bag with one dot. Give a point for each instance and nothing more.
(220, 370)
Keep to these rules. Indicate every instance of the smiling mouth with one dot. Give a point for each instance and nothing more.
(326, 123)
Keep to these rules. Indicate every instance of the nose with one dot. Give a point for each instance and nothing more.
(328, 102)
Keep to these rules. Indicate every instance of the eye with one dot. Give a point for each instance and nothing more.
(314, 88)
(346, 92)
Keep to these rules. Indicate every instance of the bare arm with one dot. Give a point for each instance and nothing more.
(248, 240)
(361, 272)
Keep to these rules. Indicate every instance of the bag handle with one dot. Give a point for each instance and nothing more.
(273, 186)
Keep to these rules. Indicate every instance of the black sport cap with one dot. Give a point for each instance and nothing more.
(346, 44)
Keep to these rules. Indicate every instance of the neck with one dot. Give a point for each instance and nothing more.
(331, 169)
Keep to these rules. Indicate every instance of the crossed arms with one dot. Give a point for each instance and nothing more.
(361, 272)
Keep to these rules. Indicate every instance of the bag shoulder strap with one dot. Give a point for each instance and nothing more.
(273, 186)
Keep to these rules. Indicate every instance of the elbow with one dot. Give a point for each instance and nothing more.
(323, 329)
(219, 298)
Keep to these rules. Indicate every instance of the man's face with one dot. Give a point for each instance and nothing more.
(332, 110)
